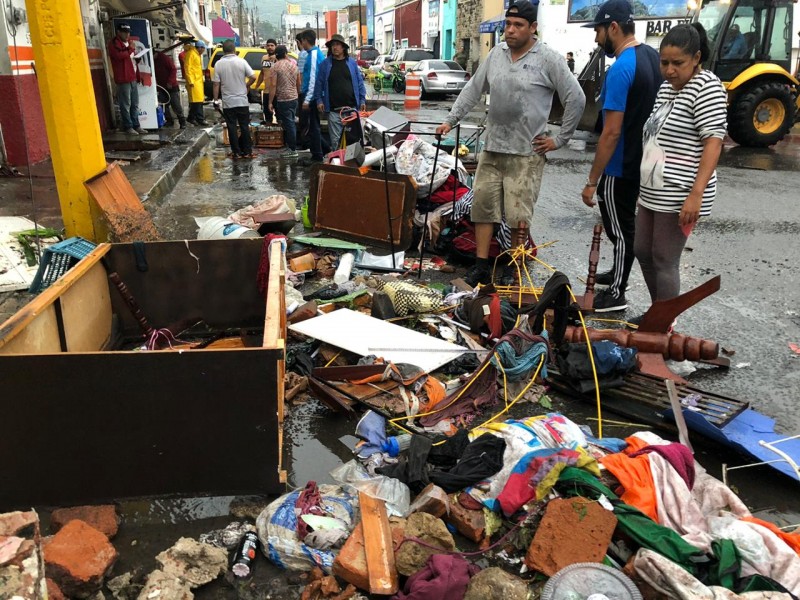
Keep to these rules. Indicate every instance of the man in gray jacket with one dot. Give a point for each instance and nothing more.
(521, 74)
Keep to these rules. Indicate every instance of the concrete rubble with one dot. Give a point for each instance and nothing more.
(186, 565)
(412, 556)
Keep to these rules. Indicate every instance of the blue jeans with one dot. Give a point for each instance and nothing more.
(128, 101)
(335, 129)
(314, 132)
(286, 111)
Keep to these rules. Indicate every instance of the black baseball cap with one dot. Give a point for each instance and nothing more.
(123, 27)
(523, 9)
(619, 11)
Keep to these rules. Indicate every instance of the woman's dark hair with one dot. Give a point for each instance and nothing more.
(281, 52)
(689, 38)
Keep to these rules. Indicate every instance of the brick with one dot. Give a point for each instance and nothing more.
(304, 312)
(14, 522)
(78, 557)
(103, 518)
(351, 562)
(469, 523)
(432, 500)
(53, 591)
(573, 530)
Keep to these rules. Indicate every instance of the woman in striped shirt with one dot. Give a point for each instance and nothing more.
(682, 143)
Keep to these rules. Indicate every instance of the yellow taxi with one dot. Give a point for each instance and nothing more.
(253, 57)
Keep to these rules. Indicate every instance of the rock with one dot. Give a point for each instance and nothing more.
(14, 522)
(470, 523)
(432, 500)
(162, 586)
(53, 591)
(78, 557)
(411, 557)
(496, 584)
(193, 562)
(351, 562)
(103, 518)
(573, 530)
(121, 587)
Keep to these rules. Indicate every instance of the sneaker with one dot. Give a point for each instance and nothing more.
(603, 280)
(289, 154)
(478, 275)
(141, 131)
(605, 301)
(130, 131)
(634, 322)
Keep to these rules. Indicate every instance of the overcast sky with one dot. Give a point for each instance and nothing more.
(270, 10)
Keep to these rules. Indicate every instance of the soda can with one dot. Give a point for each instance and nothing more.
(246, 555)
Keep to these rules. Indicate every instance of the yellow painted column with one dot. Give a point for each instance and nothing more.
(70, 113)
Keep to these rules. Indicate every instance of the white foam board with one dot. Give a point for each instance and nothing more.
(360, 334)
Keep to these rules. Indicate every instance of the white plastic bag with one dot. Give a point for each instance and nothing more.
(392, 491)
(277, 529)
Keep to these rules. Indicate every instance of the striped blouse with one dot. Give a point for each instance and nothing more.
(673, 142)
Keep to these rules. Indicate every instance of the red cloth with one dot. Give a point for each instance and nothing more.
(678, 455)
(166, 71)
(309, 502)
(444, 193)
(444, 577)
(121, 63)
(262, 278)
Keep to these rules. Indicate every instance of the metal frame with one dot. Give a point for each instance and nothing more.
(769, 446)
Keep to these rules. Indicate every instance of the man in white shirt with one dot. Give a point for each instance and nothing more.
(232, 77)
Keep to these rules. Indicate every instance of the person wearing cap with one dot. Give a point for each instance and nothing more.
(193, 75)
(522, 75)
(627, 97)
(167, 78)
(340, 85)
(120, 54)
(267, 62)
(232, 78)
(284, 89)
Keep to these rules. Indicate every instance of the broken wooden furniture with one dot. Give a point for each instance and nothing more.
(85, 422)
(348, 204)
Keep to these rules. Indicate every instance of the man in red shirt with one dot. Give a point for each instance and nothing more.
(120, 53)
(167, 78)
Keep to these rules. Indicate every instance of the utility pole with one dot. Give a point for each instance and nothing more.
(360, 24)
(317, 23)
(241, 22)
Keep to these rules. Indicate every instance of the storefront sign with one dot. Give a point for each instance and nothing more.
(662, 27)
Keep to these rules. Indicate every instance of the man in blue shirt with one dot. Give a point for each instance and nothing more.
(314, 57)
(735, 46)
(340, 85)
(627, 98)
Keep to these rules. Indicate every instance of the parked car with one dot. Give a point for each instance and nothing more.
(366, 55)
(407, 58)
(380, 63)
(440, 76)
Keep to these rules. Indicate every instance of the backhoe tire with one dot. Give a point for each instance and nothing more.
(761, 115)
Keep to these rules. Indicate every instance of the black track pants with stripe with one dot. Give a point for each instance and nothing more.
(618, 199)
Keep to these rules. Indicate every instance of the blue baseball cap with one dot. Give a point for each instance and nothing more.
(619, 11)
(200, 44)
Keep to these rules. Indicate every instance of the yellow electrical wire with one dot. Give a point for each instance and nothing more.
(335, 356)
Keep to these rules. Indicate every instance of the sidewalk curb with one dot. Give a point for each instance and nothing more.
(166, 183)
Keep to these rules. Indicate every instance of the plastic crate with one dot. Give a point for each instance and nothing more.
(58, 259)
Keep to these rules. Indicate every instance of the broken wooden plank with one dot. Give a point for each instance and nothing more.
(330, 396)
(383, 578)
(349, 372)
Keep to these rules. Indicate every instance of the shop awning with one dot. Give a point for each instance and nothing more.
(493, 24)
(222, 31)
(169, 13)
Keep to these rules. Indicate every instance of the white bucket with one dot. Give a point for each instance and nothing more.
(219, 228)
